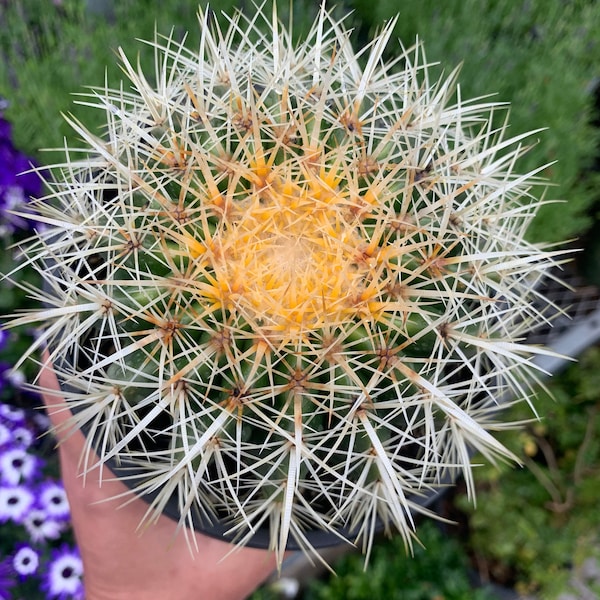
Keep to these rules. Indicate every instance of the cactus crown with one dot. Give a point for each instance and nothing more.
(290, 283)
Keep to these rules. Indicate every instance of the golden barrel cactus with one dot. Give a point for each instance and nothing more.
(287, 287)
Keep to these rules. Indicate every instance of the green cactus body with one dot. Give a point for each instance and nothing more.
(290, 283)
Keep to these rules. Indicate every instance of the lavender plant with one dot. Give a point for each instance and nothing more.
(17, 182)
(288, 286)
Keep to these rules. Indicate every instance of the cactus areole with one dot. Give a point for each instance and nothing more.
(286, 288)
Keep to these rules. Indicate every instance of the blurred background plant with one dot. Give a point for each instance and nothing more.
(537, 528)
(533, 529)
(37, 551)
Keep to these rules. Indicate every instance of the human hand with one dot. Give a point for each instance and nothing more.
(122, 563)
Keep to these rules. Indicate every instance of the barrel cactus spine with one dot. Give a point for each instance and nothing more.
(290, 282)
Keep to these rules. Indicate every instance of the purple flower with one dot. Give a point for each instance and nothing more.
(14, 434)
(11, 413)
(7, 579)
(8, 376)
(17, 182)
(52, 499)
(63, 578)
(22, 437)
(42, 527)
(6, 436)
(12, 380)
(16, 503)
(25, 561)
(41, 421)
(18, 466)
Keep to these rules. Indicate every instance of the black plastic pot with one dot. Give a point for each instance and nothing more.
(129, 472)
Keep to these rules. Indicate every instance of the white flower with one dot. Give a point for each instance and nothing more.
(52, 498)
(17, 465)
(41, 527)
(63, 575)
(26, 561)
(15, 503)
(12, 413)
(16, 378)
(22, 437)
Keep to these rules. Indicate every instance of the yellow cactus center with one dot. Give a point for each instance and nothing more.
(290, 257)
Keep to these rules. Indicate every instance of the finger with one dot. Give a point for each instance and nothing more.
(52, 394)
(71, 441)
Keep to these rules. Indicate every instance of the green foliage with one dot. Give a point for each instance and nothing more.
(438, 569)
(542, 56)
(530, 523)
(48, 56)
